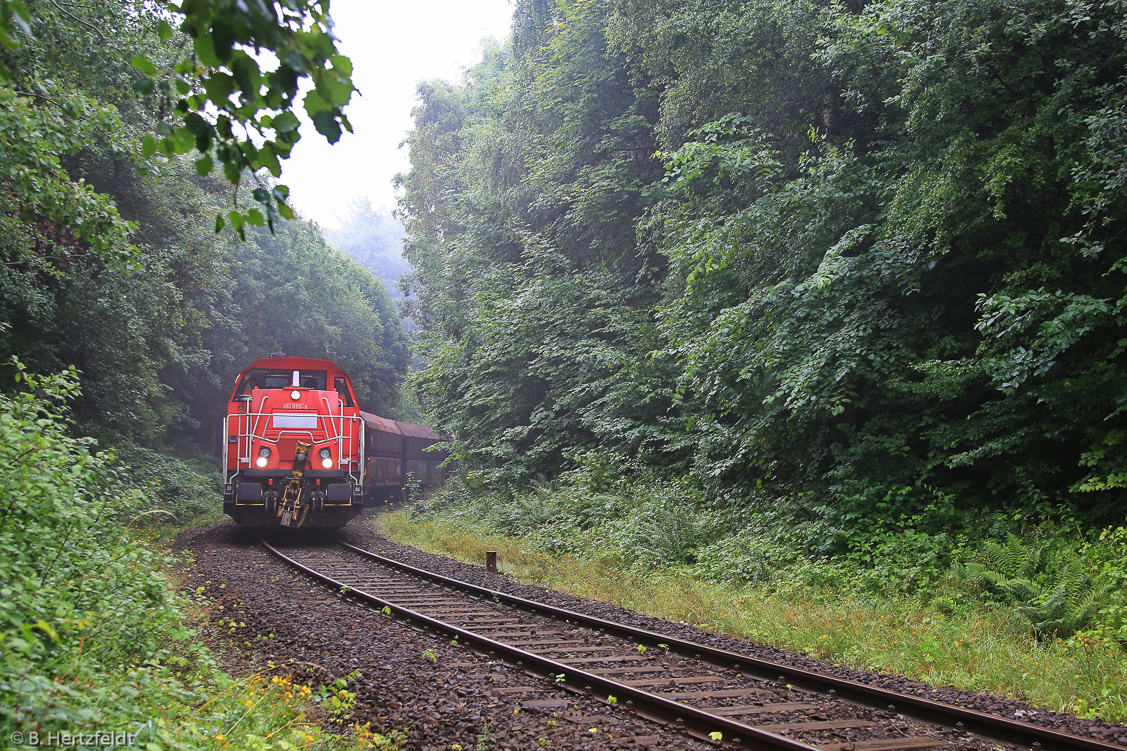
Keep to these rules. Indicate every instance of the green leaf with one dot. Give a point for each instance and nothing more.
(327, 125)
(164, 30)
(143, 64)
(196, 125)
(204, 165)
(268, 158)
(223, 38)
(182, 140)
(334, 90)
(286, 122)
(232, 172)
(48, 629)
(247, 74)
(342, 64)
(205, 50)
(148, 147)
(237, 220)
(315, 103)
(219, 86)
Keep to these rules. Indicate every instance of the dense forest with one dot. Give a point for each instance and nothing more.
(112, 263)
(816, 297)
(854, 265)
(148, 253)
(821, 300)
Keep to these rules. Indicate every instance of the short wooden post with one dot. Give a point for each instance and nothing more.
(491, 561)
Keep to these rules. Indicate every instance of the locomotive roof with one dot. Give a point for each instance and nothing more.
(295, 363)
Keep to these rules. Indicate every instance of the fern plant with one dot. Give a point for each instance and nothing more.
(1056, 600)
(528, 510)
(1006, 572)
(1067, 606)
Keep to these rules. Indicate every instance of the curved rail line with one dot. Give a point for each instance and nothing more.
(479, 622)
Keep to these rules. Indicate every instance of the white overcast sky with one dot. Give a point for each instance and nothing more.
(393, 46)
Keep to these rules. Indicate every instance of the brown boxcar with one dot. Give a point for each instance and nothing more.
(398, 455)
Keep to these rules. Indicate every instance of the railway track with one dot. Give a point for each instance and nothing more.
(735, 700)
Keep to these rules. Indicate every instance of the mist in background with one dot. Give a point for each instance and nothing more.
(347, 187)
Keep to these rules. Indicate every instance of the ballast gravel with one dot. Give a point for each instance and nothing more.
(456, 700)
(461, 699)
(362, 535)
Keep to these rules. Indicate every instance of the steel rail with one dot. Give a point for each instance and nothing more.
(1015, 732)
(697, 721)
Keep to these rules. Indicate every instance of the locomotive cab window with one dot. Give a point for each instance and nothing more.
(342, 388)
(261, 378)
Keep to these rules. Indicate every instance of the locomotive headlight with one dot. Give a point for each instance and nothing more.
(263, 457)
(295, 395)
(326, 458)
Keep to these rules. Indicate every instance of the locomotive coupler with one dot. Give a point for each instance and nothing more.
(292, 509)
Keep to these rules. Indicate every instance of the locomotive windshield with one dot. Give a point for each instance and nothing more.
(264, 378)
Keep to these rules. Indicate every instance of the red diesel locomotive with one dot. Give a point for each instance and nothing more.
(298, 451)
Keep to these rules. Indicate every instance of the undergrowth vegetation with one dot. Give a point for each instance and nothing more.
(180, 489)
(1029, 608)
(94, 637)
(839, 284)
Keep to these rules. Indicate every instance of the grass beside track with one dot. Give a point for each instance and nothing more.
(976, 649)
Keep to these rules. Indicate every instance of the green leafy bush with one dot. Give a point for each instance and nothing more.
(1059, 589)
(83, 605)
(647, 524)
(1107, 557)
(93, 636)
(666, 527)
(187, 487)
(753, 554)
(529, 510)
